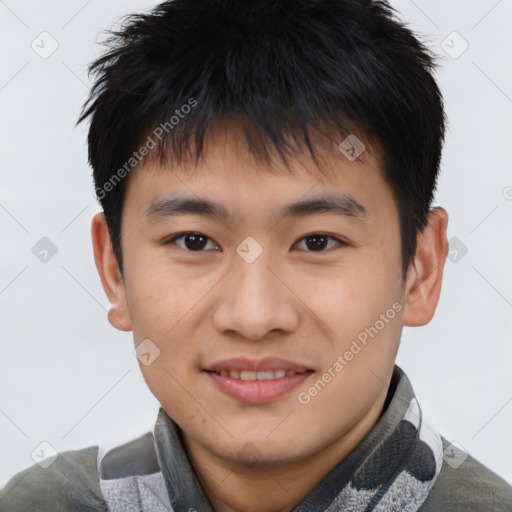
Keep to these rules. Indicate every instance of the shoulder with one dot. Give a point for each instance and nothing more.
(466, 484)
(69, 483)
(74, 480)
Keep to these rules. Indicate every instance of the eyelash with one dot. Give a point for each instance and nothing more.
(171, 240)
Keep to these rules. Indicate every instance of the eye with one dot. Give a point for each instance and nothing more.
(192, 241)
(318, 242)
(197, 242)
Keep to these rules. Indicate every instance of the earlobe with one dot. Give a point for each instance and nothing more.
(424, 279)
(108, 270)
(118, 320)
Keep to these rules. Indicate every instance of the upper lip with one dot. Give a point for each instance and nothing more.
(257, 365)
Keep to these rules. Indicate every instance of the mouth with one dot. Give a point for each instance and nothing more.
(257, 382)
(250, 375)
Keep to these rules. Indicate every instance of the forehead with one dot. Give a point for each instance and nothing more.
(229, 179)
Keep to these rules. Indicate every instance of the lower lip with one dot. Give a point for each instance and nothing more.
(258, 391)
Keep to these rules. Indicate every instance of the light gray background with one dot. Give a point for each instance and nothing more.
(69, 378)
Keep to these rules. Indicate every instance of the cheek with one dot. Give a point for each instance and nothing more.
(351, 297)
(359, 304)
(174, 392)
(159, 299)
(161, 317)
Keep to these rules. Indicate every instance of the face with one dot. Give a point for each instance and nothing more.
(272, 329)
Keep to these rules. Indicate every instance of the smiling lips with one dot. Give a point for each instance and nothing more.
(250, 375)
(257, 382)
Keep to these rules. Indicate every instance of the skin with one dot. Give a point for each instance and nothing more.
(291, 302)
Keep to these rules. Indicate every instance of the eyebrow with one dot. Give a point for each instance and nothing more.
(176, 205)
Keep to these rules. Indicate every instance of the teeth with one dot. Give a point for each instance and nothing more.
(265, 375)
(250, 375)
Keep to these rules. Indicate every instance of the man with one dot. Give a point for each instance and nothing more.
(266, 171)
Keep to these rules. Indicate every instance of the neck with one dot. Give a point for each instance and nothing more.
(272, 487)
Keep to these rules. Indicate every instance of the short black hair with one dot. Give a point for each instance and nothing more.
(279, 67)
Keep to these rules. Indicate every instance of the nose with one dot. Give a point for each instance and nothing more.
(255, 300)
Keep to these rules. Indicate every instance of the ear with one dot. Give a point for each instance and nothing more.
(425, 274)
(111, 278)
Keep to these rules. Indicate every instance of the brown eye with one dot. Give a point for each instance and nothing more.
(191, 241)
(318, 242)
